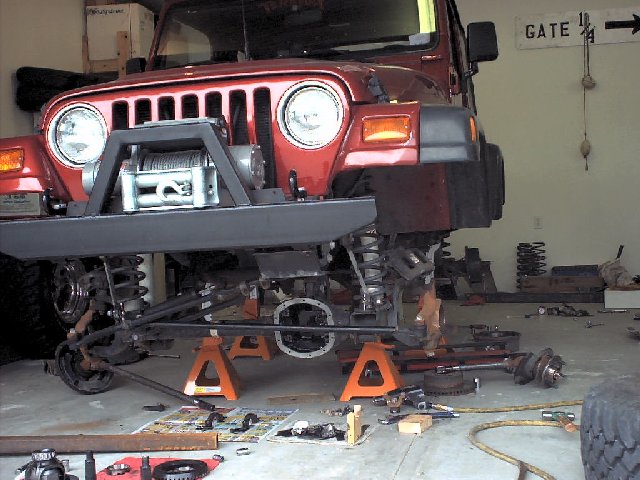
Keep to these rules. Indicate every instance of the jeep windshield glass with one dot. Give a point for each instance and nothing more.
(198, 32)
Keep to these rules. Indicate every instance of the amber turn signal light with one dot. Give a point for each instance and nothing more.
(11, 160)
(474, 129)
(386, 129)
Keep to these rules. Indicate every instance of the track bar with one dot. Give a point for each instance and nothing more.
(239, 327)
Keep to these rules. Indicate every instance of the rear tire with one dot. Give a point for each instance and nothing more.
(27, 309)
(610, 430)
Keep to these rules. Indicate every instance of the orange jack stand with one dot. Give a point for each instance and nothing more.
(226, 384)
(243, 346)
(357, 386)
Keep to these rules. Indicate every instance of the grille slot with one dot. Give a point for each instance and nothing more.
(167, 108)
(238, 111)
(143, 111)
(120, 115)
(262, 116)
(213, 105)
(190, 106)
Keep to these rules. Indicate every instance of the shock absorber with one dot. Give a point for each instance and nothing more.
(123, 281)
(366, 256)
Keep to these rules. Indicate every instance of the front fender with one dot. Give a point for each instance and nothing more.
(37, 173)
(449, 134)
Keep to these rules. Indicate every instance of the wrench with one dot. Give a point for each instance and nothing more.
(590, 324)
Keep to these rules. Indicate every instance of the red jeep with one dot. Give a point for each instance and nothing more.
(277, 147)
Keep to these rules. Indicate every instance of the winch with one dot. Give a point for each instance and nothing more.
(184, 178)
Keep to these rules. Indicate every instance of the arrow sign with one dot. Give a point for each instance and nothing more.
(615, 24)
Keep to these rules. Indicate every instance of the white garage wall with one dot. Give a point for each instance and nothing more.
(530, 103)
(37, 33)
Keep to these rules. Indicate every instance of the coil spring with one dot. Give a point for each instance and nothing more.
(531, 260)
(367, 248)
(124, 278)
(444, 252)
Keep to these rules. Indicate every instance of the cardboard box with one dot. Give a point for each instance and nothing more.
(621, 298)
(104, 22)
(415, 424)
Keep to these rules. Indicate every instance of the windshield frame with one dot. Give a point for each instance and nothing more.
(427, 18)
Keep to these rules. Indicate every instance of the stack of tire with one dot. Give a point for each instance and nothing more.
(610, 430)
(36, 86)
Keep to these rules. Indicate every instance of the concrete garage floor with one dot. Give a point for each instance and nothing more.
(32, 403)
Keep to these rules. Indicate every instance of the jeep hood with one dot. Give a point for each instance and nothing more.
(354, 75)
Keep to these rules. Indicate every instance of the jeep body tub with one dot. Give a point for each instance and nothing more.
(301, 142)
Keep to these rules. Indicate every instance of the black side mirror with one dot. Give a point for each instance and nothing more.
(482, 42)
(135, 65)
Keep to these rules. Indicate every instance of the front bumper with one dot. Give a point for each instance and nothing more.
(97, 231)
(186, 230)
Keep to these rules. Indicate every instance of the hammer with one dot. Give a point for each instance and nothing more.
(565, 418)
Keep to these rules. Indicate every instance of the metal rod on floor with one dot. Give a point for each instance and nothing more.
(479, 366)
(138, 442)
(156, 386)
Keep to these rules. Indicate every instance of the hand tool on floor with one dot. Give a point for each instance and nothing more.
(564, 418)
(411, 395)
(89, 467)
(590, 324)
(145, 469)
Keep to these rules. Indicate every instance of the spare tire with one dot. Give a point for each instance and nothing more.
(610, 430)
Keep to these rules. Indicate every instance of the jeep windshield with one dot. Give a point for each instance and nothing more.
(198, 32)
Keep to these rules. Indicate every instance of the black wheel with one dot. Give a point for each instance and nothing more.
(73, 371)
(29, 319)
(610, 430)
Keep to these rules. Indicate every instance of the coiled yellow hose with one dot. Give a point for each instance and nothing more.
(523, 467)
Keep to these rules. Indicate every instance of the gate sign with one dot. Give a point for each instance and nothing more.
(614, 25)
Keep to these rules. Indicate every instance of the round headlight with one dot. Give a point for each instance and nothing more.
(310, 115)
(77, 135)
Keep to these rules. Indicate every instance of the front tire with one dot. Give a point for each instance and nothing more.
(25, 302)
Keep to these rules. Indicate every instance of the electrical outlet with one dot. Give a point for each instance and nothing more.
(537, 223)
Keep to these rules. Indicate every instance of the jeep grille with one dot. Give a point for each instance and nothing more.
(241, 125)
